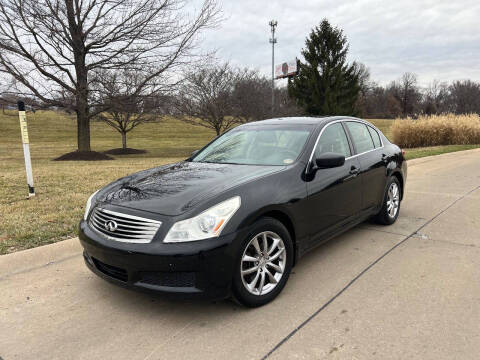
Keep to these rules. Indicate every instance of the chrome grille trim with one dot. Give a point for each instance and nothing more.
(130, 228)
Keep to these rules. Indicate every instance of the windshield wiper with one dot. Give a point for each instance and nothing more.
(220, 162)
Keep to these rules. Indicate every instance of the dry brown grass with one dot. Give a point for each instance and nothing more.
(437, 130)
(63, 187)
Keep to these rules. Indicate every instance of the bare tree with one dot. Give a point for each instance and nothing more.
(365, 87)
(363, 76)
(51, 47)
(252, 96)
(408, 94)
(393, 105)
(206, 99)
(126, 108)
(435, 98)
(220, 96)
(285, 105)
(464, 97)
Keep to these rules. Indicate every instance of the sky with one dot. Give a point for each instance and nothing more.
(435, 39)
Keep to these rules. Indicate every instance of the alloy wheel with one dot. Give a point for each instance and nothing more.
(393, 200)
(263, 263)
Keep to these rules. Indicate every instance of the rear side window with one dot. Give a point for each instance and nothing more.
(375, 137)
(360, 136)
(334, 140)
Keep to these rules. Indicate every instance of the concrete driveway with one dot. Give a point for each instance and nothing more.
(410, 290)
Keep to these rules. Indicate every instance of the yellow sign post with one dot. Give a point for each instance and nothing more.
(26, 147)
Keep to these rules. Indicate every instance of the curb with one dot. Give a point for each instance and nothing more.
(22, 261)
(424, 159)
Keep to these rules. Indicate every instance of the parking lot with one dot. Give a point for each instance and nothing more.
(410, 290)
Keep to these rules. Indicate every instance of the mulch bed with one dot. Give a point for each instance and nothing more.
(83, 156)
(126, 151)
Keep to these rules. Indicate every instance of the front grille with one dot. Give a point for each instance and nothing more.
(112, 271)
(171, 279)
(122, 227)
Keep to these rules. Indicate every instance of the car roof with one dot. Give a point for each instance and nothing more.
(303, 120)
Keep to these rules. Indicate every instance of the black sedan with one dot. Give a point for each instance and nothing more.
(235, 217)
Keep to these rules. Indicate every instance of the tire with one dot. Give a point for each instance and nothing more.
(273, 265)
(388, 215)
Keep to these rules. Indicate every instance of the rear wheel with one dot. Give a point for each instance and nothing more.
(391, 203)
(263, 264)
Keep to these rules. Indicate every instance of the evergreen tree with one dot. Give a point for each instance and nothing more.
(326, 83)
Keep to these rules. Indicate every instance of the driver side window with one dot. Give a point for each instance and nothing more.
(333, 139)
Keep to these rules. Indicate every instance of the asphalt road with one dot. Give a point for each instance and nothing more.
(410, 290)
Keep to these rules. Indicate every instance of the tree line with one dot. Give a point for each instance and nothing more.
(328, 85)
(404, 98)
(127, 62)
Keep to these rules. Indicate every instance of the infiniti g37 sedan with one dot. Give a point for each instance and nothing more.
(235, 217)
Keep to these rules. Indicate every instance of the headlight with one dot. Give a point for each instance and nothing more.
(209, 223)
(89, 205)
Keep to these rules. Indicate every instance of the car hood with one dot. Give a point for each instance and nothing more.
(174, 189)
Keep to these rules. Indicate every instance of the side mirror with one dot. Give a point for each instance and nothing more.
(329, 160)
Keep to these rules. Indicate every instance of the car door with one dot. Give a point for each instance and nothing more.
(368, 150)
(334, 194)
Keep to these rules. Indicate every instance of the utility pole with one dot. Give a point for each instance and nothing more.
(273, 40)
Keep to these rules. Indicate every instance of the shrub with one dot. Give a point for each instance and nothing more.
(449, 129)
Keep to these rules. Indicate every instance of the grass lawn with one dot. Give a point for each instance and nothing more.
(415, 153)
(62, 188)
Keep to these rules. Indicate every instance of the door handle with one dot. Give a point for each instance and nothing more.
(354, 171)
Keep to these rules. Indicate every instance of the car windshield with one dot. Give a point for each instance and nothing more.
(257, 145)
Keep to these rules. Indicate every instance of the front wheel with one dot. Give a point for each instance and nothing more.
(263, 264)
(391, 203)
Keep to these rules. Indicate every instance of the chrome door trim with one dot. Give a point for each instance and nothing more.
(341, 121)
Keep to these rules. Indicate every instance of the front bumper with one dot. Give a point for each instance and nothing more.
(195, 269)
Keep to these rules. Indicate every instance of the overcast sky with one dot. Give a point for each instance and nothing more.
(436, 39)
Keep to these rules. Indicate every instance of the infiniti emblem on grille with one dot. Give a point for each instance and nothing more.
(111, 225)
